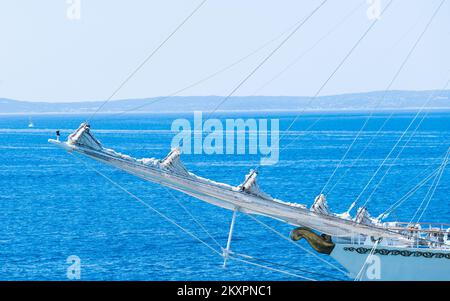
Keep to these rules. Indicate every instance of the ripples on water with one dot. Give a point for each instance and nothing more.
(52, 207)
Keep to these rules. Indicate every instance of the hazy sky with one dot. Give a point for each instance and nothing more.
(46, 55)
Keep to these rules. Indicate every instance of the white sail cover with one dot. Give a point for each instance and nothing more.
(247, 197)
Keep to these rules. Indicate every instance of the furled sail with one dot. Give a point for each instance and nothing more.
(251, 186)
(173, 163)
(320, 205)
(247, 197)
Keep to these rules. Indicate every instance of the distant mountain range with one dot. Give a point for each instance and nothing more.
(393, 100)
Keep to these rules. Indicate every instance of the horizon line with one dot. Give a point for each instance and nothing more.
(214, 95)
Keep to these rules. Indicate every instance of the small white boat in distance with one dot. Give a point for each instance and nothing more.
(30, 123)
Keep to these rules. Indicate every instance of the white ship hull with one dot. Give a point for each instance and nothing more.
(393, 263)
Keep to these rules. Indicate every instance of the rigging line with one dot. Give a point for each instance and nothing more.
(411, 192)
(407, 196)
(367, 145)
(147, 58)
(328, 80)
(435, 186)
(430, 188)
(357, 159)
(389, 168)
(372, 251)
(392, 82)
(304, 53)
(182, 228)
(384, 94)
(325, 83)
(363, 151)
(298, 58)
(294, 243)
(192, 217)
(425, 197)
(430, 97)
(179, 226)
(214, 74)
(266, 58)
(271, 269)
(285, 266)
(170, 220)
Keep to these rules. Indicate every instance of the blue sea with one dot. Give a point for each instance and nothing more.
(52, 206)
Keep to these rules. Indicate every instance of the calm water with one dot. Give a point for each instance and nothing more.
(52, 207)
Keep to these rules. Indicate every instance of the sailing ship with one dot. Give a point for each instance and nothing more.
(30, 123)
(366, 247)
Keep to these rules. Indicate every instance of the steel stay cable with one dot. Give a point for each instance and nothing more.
(311, 99)
(270, 268)
(358, 158)
(338, 67)
(405, 197)
(372, 251)
(386, 90)
(284, 266)
(244, 80)
(147, 59)
(430, 188)
(362, 152)
(193, 217)
(212, 75)
(431, 96)
(170, 220)
(392, 82)
(299, 57)
(441, 172)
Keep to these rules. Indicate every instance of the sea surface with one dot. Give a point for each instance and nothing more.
(52, 204)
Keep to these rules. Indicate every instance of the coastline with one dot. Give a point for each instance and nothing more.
(281, 111)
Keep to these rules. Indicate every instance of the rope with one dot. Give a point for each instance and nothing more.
(436, 175)
(147, 59)
(139, 200)
(192, 216)
(431, 96)
(400, 69)
(434, 185)
(372, 251)
(212, 75)
(266, 58)
(358, 158)
(271, 269)
(298, 58)
(390, 85)
(220, 71)
(326, 82)
(323, 85)
(411, 192)
(330, 77)
(286, 266)
(181, 227)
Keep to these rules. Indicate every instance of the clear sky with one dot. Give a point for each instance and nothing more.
(47, 56)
